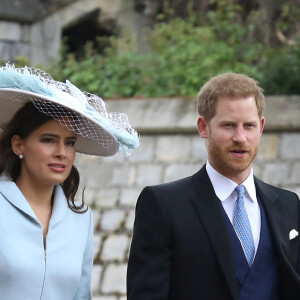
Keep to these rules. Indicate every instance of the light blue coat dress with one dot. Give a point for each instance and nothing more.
(27, 270)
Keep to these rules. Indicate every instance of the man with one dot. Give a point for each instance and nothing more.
(221, 233)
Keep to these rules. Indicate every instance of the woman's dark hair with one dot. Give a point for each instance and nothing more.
(23, 123)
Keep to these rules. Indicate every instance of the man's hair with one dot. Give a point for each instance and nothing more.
(228, 85)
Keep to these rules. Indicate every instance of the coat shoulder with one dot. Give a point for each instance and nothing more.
(185, 186)
(172, 186)
(277, 190)
(287, 199)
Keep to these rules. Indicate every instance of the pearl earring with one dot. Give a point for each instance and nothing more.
(21, 156)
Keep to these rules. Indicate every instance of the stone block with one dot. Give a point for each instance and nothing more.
(130, 220)
(96, 278)
(149, 175)
(96, 217)
(282, 113)
(106, 198)
(123, 175)
(178, 171)
(114, 279)
(275, 173)
(93, 172)
(145, 152)
(118, 158)
(112, 219)
(89, 195)
(99, 177)
(199, 149)
(158, 115)
(295, 174)
(105, 298)
(129, 196)
(289, 148)
(257, 170)
(10, 31)
(115, 248)
(97, 244)
(26, 32)
(173, 148)
(11, 49)
(268, 149)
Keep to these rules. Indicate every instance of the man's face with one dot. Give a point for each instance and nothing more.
(233, 136)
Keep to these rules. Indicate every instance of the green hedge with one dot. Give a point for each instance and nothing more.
(183, 55)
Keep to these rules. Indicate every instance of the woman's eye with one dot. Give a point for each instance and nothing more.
(71, 143)
(47, 140)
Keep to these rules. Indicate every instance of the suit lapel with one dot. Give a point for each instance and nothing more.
(275, 212)
(208, 208)
(278, 219)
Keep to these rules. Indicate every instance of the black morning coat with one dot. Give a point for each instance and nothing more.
(181, 249)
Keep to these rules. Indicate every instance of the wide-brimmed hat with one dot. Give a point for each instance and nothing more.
(98, 132)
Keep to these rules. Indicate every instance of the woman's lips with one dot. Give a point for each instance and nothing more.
(59, 168)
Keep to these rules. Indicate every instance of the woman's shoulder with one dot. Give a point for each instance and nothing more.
(5, 180)
(8, 189)
(81, 211)
(74, 209)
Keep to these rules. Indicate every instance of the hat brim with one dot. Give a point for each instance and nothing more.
(11, 100)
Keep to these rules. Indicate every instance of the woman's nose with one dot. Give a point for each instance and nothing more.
(60, 149)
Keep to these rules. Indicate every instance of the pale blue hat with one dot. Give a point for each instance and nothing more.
(99, 132)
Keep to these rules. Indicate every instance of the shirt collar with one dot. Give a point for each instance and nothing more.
(224, 186)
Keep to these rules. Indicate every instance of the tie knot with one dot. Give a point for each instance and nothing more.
(240, 190)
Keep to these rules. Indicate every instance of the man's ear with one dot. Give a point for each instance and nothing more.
(262, 124)
(17, 145)
(202, 127)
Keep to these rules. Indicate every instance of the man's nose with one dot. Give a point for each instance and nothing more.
(239, 135)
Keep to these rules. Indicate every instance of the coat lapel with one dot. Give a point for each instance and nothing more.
(278, 219)
(208, 208)
(275, 212)
(12, 193)
(60, 206)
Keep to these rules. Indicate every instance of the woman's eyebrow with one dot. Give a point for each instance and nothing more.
(58, 136)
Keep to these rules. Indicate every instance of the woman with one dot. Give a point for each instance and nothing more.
(46, 237)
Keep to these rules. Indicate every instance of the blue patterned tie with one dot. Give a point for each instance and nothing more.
(242, 226)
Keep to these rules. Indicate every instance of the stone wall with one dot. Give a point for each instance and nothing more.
(39, 38)
(170, 149)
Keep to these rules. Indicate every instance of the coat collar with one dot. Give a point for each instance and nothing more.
(12, 193)
(60, 206)
(208, 208)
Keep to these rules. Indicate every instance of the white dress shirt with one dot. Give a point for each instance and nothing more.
(225, 191)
